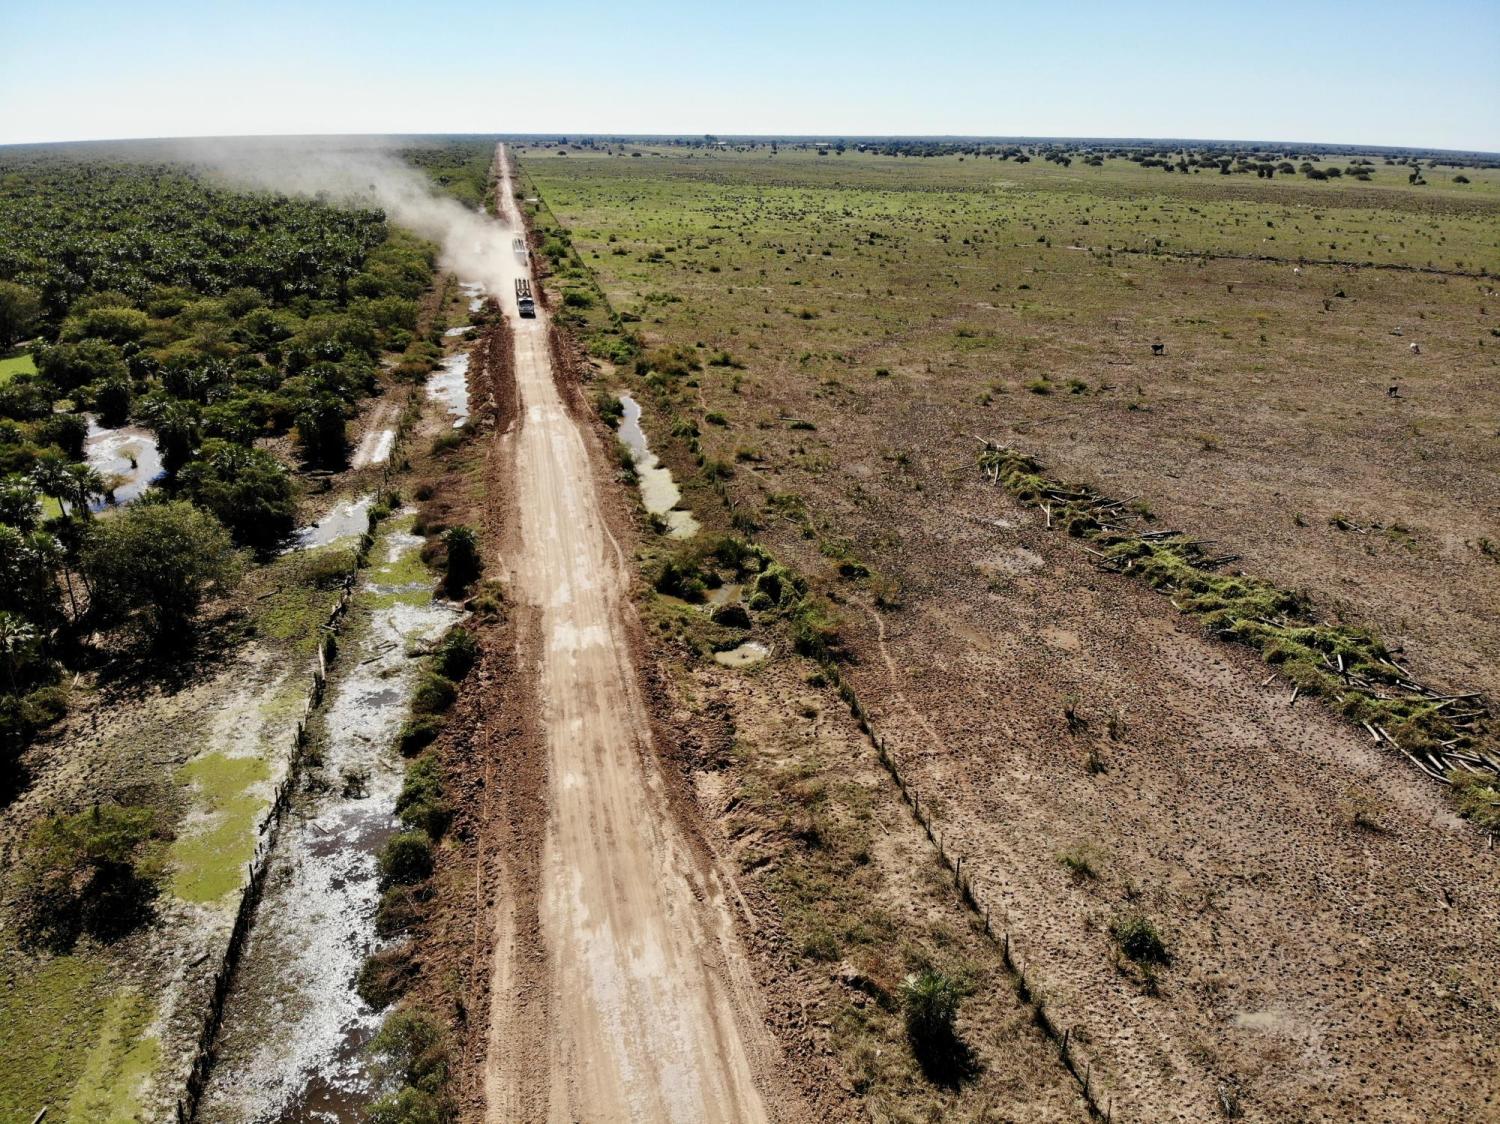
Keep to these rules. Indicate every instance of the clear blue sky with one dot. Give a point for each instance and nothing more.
(1381, 72)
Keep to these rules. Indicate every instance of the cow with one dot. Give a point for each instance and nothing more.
(1158, 348)
(1416, 349)
(1393, 392)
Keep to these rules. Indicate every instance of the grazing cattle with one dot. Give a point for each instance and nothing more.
(1393, 392)
(1416, 349)
(1296, 271)
(1158, 348)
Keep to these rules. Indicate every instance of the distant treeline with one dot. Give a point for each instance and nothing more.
(1165, 153)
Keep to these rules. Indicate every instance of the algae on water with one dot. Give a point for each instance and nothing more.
(209, 860)
(119, 1065)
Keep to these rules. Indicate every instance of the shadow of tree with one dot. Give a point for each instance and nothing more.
(946, 1059)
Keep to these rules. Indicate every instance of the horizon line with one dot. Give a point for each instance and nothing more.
(561, 135)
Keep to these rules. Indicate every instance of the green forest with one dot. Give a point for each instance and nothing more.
(241, 329)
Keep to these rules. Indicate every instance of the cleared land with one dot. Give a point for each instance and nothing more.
(834, 329)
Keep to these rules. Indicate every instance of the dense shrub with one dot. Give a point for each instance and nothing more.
(457, 654)
(464, 564)
(154, 563)
(405, 859)
(412, 1049)
(434, 694)
(1139, 939)
(418, 733)
(409, 1106)
(385, 975)
(421, 805)
(248, 490)
(94, 872)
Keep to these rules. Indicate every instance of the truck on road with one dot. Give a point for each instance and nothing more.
(525, 303)
(519, 246)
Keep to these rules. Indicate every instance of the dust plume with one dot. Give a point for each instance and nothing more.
(365, 171)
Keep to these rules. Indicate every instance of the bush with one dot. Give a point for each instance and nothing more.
(1138, 939)
(457, 654)
(609, 406)
(400, 908)
(434, 694)
(405, 860)
(385, 976)
(321, 432)
(94, 872)
(411, 1048)
(680, 577)
(418, 733)
(464, 562)
(930, 1000)
(67, 431)
(421, 805)
(815, 630)
(112, 398)
(409, 1106)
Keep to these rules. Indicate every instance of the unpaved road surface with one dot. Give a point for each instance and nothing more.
(643, 1000)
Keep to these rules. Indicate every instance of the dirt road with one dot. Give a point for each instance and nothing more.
(643, 1000)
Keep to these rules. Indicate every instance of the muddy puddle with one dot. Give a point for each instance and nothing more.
(292, 1044)
(347, 520)
(727, 594)
(127, 458)
(449, 384)
(659, 492)
(744, 655)
(475, 292)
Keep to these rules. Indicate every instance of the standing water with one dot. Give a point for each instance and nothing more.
(292, 1045)
(347, 520)
(127, 458)
(449, 384)
(659, 492)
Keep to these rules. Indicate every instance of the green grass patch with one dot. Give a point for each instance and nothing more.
(208, 859)
(122, 1060)
(301, 588)
(51, 1012)
(16, 365)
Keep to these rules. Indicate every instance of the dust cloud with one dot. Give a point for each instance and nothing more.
(366, 172)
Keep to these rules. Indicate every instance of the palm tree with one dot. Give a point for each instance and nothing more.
(50, 475)
(84, 486)
(17, 636)
(19, 504)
